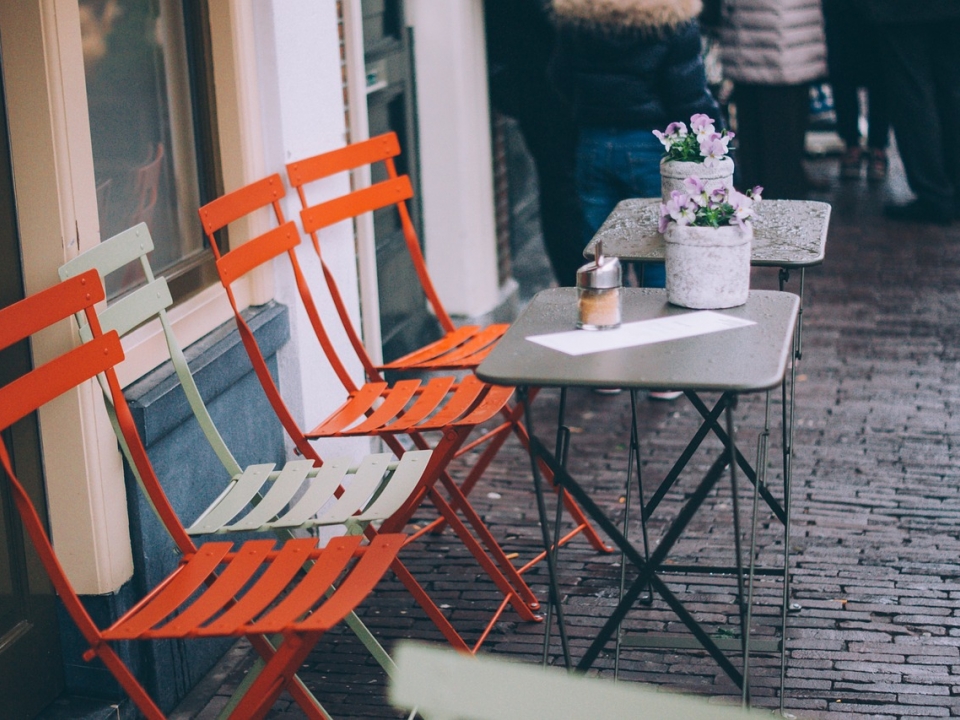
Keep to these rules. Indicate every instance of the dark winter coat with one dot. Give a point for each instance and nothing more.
(631, 63)
(910, 11)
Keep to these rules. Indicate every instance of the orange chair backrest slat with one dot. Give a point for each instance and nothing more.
(224, 210)
(22, 396)
(395, 190)
(347, 158)
(43, 309)
(388, 192)
(255, 252)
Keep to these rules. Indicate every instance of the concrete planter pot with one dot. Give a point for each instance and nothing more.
(674, 172)
(707, 268)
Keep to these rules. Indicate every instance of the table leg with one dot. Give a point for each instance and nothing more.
(788, 418)
(536, 451)
(646, 569)
(745, 596)
(633, 456)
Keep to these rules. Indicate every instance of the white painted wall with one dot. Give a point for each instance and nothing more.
(302, 114)
(455, 157)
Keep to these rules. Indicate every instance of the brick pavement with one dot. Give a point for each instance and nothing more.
(876, 531)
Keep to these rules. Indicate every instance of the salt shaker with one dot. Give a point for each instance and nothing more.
(598, 293)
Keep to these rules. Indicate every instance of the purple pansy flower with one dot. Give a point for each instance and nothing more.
(702, 125)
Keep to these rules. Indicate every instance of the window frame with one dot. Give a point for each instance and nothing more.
(55, 188)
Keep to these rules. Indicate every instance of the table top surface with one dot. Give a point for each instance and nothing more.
(744, 359)
(786, 233)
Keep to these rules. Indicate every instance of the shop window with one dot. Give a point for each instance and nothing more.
(148, 92)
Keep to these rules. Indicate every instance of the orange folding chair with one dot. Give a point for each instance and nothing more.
(460, 348)
(217, 590)
(447, 407)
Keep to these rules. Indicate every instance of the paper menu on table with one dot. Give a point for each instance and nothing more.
(644, 332)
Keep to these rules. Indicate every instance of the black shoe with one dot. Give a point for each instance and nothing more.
(919, 211)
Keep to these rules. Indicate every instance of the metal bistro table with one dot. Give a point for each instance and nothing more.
(746, 359)
(788, 234)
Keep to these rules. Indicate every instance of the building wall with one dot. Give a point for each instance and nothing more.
(279, 93)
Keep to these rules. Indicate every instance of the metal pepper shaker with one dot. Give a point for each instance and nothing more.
(598, 293)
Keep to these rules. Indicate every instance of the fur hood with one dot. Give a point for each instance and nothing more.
(637, 14)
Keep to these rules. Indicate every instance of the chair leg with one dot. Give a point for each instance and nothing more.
(429, 606)
(298, 691)
(493, 572)
(513, 423)
(576, 512)
(506, 578)
(128, 682)
(278, 674)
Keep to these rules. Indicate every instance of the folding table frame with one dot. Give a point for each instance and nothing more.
(747, 359)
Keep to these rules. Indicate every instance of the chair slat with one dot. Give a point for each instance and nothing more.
(322, 487)
(363, 484)
(232, 503)
(224, 210)
(496, 397)
(329, 163)
(185, 581)
(430, 399)
(22, 396)
(277, 497)
(467, 393)
(359, 584)
(483, 340)
(302, 598)
(258, 250)
(403, 481)
(34, 313)
(131, 310)
(264, 591)
(435, 349)
(393, 403)
(248, 559)
(388, 192)
(355, 407)
(111, 254)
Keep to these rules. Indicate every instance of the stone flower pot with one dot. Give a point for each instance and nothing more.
(707, 268)
(674, 172)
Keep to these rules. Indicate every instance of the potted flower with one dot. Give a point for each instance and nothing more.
(707, 235)
(699, 151)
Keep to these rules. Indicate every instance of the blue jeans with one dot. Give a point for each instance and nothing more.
(614, 165)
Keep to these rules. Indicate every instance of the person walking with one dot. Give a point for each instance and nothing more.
(854, 62)
(772, 50)
(520, 42)
(921, 43)
(627, 67)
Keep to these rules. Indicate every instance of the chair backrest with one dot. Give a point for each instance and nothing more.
(232, 265)
(443, 684)
(395, 190)
(29, 392)
(142, 305)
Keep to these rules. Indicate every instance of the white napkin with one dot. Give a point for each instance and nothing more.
(644, 332)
